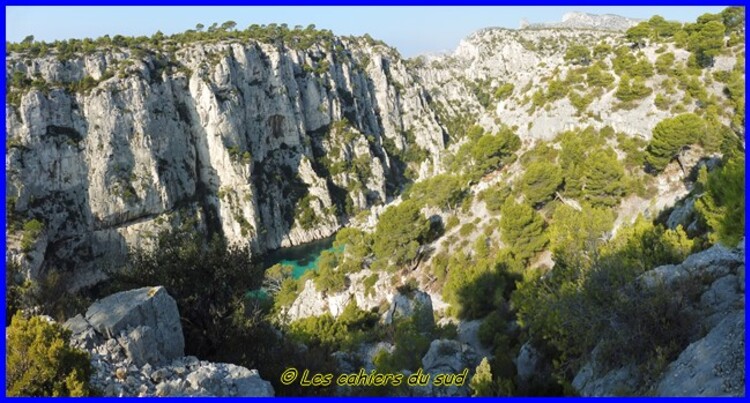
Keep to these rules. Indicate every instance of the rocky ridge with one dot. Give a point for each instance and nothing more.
(578, 20)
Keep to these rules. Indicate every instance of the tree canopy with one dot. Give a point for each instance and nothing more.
(670, 136)
(522, 229)
(400, 231)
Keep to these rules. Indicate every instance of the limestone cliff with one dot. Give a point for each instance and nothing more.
(269, 145)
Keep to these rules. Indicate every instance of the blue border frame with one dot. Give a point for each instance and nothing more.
(356, 3)
(371, 3)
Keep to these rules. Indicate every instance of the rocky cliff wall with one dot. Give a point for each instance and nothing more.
(266, 144)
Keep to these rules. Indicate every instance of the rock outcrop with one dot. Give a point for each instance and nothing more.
(413, 304)
(531, 365)
(137, 349)
(144, 322)
(711, 366)
(713, 363)
(453, 358)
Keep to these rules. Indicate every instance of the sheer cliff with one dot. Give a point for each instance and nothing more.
(265, 143)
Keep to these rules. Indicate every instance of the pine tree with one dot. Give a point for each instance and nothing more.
(665, 63)
(670, 136)
(638, 34)
(707, 43)
(733, 18)
(597, 75)
(576, 235)
(630, 90)
(578, 54)
(540, 181)
(399, 232)
(603, 175)
(481, 383)
(522, 229)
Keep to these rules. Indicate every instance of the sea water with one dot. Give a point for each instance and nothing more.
(301, 257)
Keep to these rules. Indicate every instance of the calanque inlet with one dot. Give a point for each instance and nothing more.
(555, 210)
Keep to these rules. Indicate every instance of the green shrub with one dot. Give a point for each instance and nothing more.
(369, 283)
(504, 91)
(467, 229)
(602, 49)
(707, 42)
(574, 307)
(305, 213)
(598, 76)
(329, 278)
(287, 294)
(48, 294)
(578, 54)
(485, 153)
(575, 236)
(623, 61)
(665, 63)
(31, 231)
(556, 90)
(663, 29)
(638, 34)
(630, 90)
(39, 361)
(494, 197)
(634, 149)
(451, 222)
(601, 177)
(662, 102)
(722, 205)
(353, 327)
(482, 383)
(477, 285)
(642, 68)
(411, 346)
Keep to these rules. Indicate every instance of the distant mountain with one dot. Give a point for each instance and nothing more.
(609, 22)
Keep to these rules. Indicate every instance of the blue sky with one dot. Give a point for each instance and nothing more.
(413, 30)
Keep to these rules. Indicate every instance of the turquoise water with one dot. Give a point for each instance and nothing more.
(301, 257)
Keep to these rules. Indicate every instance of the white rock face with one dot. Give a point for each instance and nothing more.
(712, 366)
(311, 302)
(527, 362)
(248, 139)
